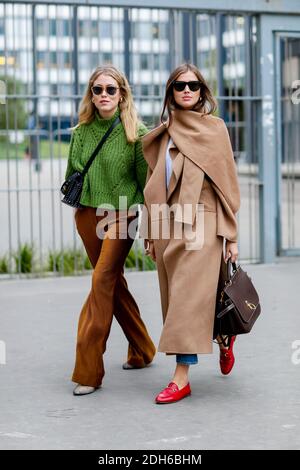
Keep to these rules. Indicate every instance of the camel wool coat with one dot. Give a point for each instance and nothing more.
(189, 254)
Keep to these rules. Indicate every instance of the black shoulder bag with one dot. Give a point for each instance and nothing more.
(72, 186)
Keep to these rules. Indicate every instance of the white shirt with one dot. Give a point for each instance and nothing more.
(169, 168)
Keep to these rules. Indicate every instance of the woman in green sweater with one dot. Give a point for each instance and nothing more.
(116, 175)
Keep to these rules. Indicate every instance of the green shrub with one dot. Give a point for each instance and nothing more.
(130, 260)
(149, 264)
(136, 259)
(3, 265)
(68, 261)
(87, 264)
(24, 258)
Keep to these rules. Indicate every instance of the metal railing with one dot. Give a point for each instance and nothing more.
(47, 53)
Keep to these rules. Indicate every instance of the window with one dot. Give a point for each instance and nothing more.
(66, 60)
(82, 89)
(65, 89)
(142, 30)
(53, 27)
(204, 58)
(204, 27)
(144, 61)
(94, 28)
(83, 60)
(66, 28)
(117, 29)
(53, 59)
(105, 29)
(161, 61)
(41, 59)
(81, 25)
(53, 89)
(2, 26)
(42, 27)
(135, 61)
(163, 30)
(144, 90)
(156, 90)
(107, 57)
(94, 58)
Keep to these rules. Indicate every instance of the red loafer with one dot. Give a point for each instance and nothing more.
(227, 358)
(172, 393)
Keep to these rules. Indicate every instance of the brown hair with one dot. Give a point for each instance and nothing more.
(128, 113)
(206, 104)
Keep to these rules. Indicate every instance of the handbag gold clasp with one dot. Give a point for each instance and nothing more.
(250, 305)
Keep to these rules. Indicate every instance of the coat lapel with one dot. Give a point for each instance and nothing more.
(151, 145)
(190, 190)
(154, 146)
(155, 189)
(177, 166)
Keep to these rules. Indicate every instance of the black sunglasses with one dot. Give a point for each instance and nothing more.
(110, 89)
(194, 85)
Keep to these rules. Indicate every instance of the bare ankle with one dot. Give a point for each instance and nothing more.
(181, 377)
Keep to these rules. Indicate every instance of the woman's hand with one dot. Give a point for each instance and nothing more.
(231, 251)
(149, 249)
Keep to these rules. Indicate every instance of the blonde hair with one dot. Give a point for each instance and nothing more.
(128, 112)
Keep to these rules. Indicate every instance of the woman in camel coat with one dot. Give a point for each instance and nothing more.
(191, 200)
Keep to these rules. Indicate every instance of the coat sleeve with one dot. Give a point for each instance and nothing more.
(145, 226)
(140, 162)
(227, 225)
(229, 200)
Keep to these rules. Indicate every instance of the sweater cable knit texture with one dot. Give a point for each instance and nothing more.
(118, 170)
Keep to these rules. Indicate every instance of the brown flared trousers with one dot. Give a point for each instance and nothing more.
(109, 296)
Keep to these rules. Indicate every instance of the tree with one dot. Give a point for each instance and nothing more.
(14, 107)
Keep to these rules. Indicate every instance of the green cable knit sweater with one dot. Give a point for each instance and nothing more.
(118, 170)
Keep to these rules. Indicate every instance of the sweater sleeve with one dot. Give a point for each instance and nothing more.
(73, 152)
(70, 168)
(140, 163)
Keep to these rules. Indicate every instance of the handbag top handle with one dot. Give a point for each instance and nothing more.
(229, 270)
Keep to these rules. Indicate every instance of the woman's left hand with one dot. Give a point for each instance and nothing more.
(231, 251)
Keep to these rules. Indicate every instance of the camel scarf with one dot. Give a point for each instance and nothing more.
(203, 143)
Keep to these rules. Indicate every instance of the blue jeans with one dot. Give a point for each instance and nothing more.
(187, 359)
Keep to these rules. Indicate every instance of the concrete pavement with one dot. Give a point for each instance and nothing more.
(255, 407)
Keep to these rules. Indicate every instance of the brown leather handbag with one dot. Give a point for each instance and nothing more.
(237, 303)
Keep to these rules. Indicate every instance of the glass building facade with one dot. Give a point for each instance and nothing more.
(47, 53)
